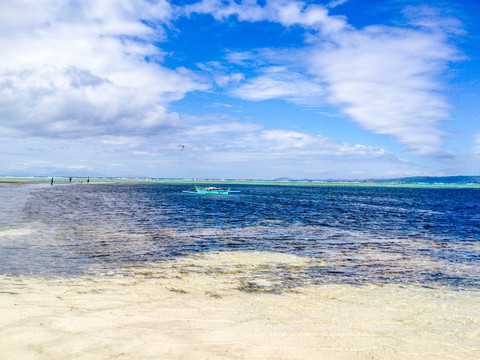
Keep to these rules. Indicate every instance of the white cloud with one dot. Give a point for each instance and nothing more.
(222, 76)
(433, 18)
(91, 71)
(77, 69)
(272, 153)
(285, 12)
(385, 79)
(335, 3)
(279, 82)
(476, 148)
(221, 128)
(212, 149)
(287, 143)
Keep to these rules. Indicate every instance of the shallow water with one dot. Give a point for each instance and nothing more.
(190, 314)
(351, 235)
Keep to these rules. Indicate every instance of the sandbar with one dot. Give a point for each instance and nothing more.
(223, 306)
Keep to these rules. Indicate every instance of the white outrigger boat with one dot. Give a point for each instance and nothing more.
(209, 190)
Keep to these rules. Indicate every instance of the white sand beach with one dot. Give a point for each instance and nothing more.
(221, 306)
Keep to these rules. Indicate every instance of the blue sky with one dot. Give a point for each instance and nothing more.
(252, 89)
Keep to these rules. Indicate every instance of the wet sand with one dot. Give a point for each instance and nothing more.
(227, 306)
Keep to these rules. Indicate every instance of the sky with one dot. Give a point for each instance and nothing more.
(244, 89)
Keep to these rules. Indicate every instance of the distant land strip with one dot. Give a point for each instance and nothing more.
(420, 181)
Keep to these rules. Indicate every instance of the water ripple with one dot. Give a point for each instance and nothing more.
(357, 235)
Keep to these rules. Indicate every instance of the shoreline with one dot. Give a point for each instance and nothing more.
(183, 309)
(143, 181)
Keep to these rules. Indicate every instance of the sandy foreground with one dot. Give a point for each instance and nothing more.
(230, 306)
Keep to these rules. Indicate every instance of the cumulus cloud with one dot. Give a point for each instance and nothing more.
(84, 68)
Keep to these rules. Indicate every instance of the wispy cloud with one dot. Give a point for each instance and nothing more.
(387, 79)
(335, 3)
(221, 75)
(279, 82)
(285, 12)
(432, 18)
(476, 148)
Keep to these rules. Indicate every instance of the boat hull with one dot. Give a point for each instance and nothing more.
(209, 190)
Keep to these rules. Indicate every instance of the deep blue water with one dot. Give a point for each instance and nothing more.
(361, 234)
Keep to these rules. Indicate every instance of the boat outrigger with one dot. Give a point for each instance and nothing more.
(208, 190)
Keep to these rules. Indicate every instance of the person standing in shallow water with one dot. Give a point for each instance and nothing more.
(70, 179)
(88, 179)
(51, 181)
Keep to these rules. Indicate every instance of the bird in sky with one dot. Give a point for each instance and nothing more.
(182, 146)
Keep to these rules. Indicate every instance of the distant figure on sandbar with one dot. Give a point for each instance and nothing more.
(70, 179)
(88, 179)
(51, 182)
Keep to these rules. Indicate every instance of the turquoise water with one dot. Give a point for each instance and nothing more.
(355, 235)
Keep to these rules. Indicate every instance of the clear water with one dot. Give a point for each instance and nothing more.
(352, 234)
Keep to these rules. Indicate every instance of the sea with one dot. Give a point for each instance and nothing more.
(349, 234)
